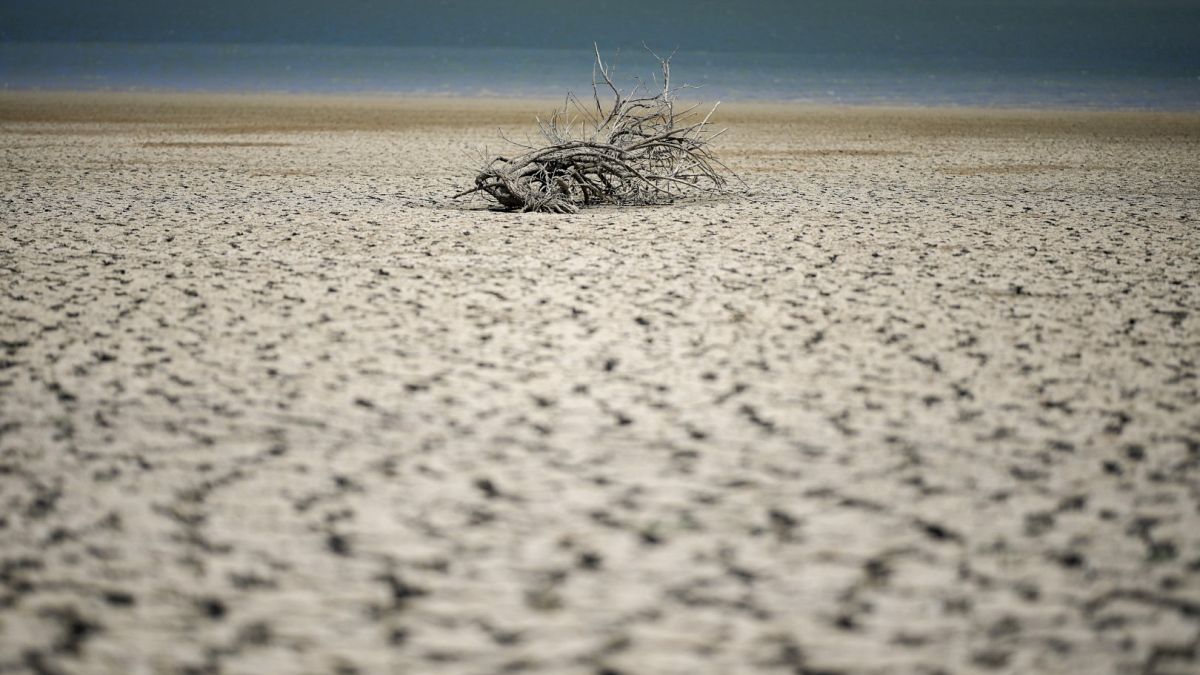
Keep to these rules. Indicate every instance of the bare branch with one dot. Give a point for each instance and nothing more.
(638, 151)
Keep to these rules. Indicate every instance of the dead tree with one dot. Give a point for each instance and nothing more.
(636, 150)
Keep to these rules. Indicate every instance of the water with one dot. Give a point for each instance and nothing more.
(729, 76)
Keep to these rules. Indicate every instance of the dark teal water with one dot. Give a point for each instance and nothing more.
(819, 78)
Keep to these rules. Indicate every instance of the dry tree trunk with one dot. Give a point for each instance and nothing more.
(637, 150)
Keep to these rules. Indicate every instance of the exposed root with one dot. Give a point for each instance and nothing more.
(637, 150)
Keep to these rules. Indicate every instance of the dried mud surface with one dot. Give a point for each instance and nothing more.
(925, 402)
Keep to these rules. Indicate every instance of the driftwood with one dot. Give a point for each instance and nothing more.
(635, 150)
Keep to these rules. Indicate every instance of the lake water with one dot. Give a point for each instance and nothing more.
(729, 76)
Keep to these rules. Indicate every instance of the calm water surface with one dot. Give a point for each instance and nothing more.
(818, 78)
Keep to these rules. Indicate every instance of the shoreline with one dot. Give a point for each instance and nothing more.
(435, 96)
(89, 106)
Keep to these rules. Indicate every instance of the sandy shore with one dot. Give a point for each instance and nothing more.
(925, 401)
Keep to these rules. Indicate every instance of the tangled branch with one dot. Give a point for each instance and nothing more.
(636, 150)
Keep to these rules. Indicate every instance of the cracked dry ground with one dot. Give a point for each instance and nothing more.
(925, 402)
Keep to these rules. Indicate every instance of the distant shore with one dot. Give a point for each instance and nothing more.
(298, 112)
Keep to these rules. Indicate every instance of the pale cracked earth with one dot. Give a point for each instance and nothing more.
(925, 401)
